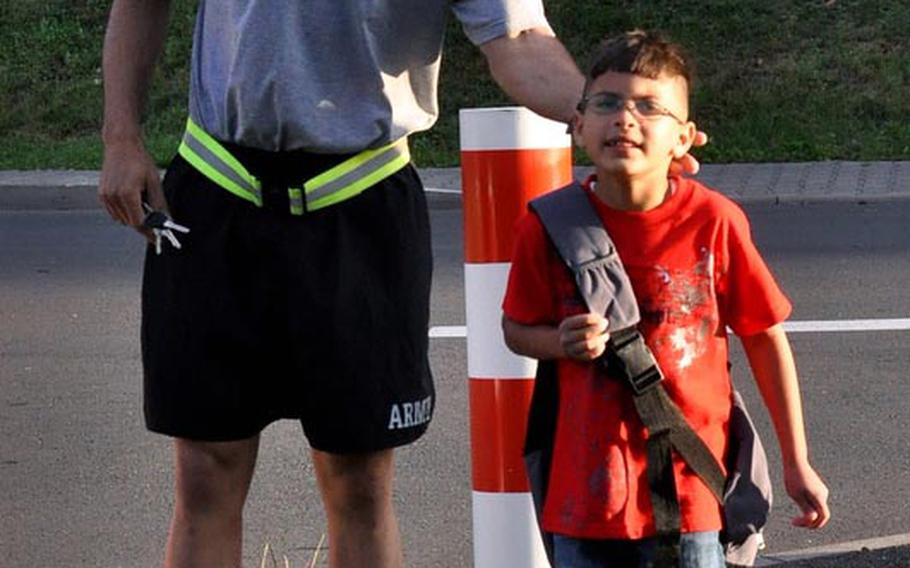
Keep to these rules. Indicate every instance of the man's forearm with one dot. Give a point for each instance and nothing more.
(132, 43)
(536, 71)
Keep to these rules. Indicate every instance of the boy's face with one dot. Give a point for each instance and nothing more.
(633, 126)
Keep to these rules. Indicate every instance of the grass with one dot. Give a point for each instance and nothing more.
(778, 80)
(51, 84)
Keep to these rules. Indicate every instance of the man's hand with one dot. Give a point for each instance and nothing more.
(128, 177)
(810, 493)
(688, 164)
(583, 337)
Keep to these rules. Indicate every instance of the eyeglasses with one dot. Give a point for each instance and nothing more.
(606, 103)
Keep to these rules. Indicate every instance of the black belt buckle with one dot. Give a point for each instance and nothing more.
(275, 196)
(636, 363)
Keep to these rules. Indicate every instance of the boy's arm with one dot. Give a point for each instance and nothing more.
(582, 337)
(772, 365)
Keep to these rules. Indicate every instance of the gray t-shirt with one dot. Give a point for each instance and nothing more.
(330, 76)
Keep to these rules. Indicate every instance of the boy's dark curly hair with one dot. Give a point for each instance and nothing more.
(640, 52)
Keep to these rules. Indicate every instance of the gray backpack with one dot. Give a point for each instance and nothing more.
(745, 492)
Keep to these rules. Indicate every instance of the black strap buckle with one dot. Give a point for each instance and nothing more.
(645, 381)
(275, 196)
(636, 361)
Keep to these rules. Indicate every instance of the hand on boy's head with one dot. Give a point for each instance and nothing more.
(583, 337)
(810, 493)
(688, 164)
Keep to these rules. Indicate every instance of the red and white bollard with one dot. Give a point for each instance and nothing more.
(508, 156)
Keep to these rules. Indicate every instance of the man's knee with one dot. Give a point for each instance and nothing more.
(212, 476)
(355, 484)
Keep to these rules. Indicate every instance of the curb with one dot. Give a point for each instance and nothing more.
(49, 198)
(771, 183)
(48, 190)
(85, 197)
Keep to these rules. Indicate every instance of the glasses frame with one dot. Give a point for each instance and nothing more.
(633, 108)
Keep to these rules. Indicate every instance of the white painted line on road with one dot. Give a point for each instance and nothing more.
(878, 543)
(449, 331)
(808, 326)
(894, 324)
(440, 190)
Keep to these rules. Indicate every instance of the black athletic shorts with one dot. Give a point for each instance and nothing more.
(262, 315)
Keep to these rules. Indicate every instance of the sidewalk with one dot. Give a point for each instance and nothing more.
(745, 183)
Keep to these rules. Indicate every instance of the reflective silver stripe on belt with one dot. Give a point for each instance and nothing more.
(360, 172)
(216, 163)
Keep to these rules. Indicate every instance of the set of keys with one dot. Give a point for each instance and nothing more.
(162, 226)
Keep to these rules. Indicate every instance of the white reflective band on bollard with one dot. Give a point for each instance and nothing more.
(488, 356)
(509, 128)
(505, 531)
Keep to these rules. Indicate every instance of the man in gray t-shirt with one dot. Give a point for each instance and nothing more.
(302, 288)
(282, 95)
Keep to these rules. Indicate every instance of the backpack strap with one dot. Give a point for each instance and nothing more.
(587, 249)
(539, 441)
(585, 246)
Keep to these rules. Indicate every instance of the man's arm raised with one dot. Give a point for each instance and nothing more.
(535, 70)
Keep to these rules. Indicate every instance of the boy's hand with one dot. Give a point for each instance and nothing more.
(810, 493)
(583, 337)
(688, 164)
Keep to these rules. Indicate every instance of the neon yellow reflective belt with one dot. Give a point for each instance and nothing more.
(332, 186)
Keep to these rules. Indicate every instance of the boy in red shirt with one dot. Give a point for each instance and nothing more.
(695, 272)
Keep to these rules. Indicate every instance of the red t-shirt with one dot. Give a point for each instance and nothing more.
(695, 271)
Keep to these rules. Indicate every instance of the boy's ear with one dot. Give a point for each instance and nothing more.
(684, 142)
(577, 127)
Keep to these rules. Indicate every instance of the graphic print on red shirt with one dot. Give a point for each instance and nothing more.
(695, 271)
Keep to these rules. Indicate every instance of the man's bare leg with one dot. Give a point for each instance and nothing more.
(357, 493)
(212, 480)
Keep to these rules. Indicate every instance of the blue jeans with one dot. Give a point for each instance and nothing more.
(696, 550)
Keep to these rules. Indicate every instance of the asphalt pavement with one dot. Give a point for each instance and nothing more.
(857, 182)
